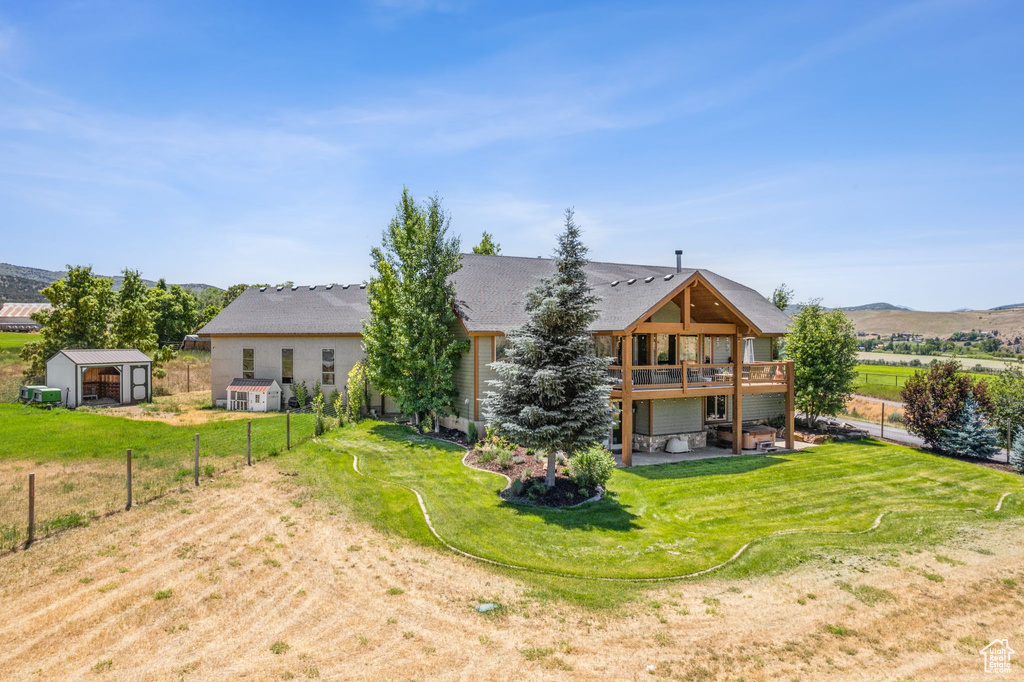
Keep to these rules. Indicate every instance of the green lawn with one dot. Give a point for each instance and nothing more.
(663, 520)
(71, 436)
(15, 340)
(883, 381)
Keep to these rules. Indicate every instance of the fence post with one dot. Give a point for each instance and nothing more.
(188, 379)
(288, 430)
(883, 421)
(31, 509)
(197, 459)
(248, 442)
(128, 477)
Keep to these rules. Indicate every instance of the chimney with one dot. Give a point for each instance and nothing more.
(679, 260)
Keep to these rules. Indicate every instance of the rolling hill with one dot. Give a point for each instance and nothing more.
(22, 284)
(1008, 322)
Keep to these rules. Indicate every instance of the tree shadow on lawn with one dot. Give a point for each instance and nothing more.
(720, 466)
(410, 437)
(606, 514)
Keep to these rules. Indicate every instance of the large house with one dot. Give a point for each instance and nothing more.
(694, 350)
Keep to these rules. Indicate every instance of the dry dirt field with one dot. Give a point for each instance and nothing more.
(1009, 323)
(248, 578)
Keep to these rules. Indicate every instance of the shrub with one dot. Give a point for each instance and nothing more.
(536, 490)
(426, 424)
(318, 411)
(356, 389)
(486, 456)
(300, 392)
(895, 418)
(471, 434)
(339, 407)
(934, 399)
(517, 487)
(505, 458)
(331, 401)
(591, 467)
(1017, 453)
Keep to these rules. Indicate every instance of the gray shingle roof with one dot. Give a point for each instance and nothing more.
(301, 310)
(489, 292)
(103, 356)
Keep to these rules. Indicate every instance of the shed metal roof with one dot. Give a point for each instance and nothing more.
(252, 385)
(489, 296)
(105, 356)
(22, 309)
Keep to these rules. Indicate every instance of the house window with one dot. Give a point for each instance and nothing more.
(665, 344)
(717, 408)
(604, 345)
(248, 363)
(688, 349)
(500, 345)
(287, 363)
(327, 371)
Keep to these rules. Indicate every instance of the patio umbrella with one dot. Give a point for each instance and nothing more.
(748, 349)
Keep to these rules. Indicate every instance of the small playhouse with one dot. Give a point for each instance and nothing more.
(254, 395)
(101, 376)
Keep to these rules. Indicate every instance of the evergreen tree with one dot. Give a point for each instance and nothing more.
(1017, 452)
(82, 305)
(552, 391)
(409, 338)
(970, 434)
(487, 246)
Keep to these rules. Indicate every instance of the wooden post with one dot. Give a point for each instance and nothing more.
(248, 442)
(686, 309)
(737, 401)
(627, 400)
(31, 509)
(790, 406)
(197, 460)
(288, 430)
(883, 421)
(128, 477)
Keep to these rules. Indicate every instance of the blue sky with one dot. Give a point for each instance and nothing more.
(857, 151)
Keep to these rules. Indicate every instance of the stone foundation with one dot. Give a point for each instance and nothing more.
(642, 443)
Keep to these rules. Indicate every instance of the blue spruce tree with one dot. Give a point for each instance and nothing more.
(1017, 453)
(552, 389)
(970, 435)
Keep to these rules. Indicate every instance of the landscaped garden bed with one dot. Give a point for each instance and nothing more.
(527, 471)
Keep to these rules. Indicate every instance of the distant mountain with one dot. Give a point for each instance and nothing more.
(797, 307)
(1009, 307)
(22, 284)
(876, 306)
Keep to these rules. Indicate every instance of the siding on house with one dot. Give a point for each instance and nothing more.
(667, 313)
(226, 361)
(758, 406)
(464, 376)
(762, 349)
(677, 415)
(486, 373)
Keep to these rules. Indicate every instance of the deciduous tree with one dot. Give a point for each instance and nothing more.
(82, 307)
(782, 297)
(409, 339)
(552, 391)
(823, 347)
(934, 399)
(487, 246)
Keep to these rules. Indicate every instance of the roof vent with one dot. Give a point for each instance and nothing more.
(615, 283)
(363, 285)
(279, 287)
(312, 287)
(263, 288)
(669, 276)
(329, 287)
(631, 281)
(345, 286)
(295, 287)
(648, 280)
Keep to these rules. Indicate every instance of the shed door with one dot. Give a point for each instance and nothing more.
(140, 383)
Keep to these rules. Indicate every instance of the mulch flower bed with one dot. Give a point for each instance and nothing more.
(526, 468)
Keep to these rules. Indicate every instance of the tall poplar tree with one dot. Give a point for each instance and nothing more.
(409, 340)
(552, 391)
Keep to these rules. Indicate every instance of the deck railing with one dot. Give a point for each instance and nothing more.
(649, 377)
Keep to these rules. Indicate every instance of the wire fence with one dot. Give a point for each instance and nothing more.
(46, 497)
(872, 378)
